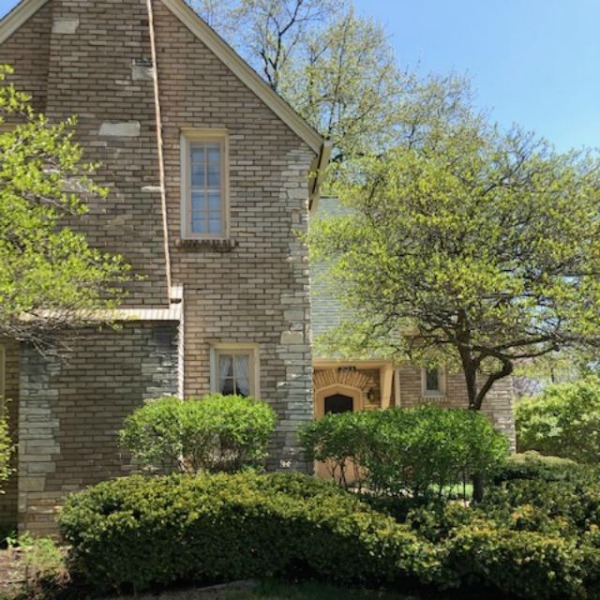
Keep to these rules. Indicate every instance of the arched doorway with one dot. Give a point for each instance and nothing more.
(336, 399)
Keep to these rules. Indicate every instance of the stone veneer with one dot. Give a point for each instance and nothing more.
(93, 58)
(72, 408)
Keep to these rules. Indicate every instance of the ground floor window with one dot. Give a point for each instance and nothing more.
(433, 382)
(234, 370)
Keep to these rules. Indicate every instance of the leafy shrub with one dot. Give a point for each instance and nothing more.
(143, 532)
(419, 451)
(6, 449)
(563, 420)
(342, 440)
(578, 500)
(214, 433)
(532, 465)
(521, 564)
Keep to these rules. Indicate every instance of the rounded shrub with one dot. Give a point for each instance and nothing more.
(563, 420)
(420, 452)
(521, 564)
(141, 532)
(214, 433)
(533, 465)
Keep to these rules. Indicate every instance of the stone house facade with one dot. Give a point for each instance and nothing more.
(210, 176)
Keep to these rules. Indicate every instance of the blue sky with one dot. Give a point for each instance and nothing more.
(533, 62)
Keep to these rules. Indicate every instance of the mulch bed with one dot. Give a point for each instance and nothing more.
(12, 573)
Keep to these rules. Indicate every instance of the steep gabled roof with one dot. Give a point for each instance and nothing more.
(27, 8)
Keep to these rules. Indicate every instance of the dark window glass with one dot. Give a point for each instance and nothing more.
(432, 380)
(338, 404)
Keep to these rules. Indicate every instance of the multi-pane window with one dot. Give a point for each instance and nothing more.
(204, 186)
(433, 382)
(234, 371)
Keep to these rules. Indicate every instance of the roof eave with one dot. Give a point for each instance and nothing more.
(20, 14)
(246, 74)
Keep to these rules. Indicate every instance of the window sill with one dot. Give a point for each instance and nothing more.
(206, 245)
(433, 397)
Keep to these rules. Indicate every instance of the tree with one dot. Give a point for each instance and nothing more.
(469, 246)
(51, 278)
(334, 67)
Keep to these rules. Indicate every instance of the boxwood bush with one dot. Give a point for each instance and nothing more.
(524, 541)
(532, 465)
(140, 532)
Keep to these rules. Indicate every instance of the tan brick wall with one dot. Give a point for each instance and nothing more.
(497, 406)
(27, 52)
(259, 291)
(73, 407)
(88, 73)
(8, 500)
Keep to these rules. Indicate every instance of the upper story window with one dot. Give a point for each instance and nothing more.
(204, 184)
(235, 370)
(433, 382)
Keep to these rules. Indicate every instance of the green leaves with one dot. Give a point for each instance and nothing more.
(563, 420)
(419, 452)
(485, 245)
(213, 433)
(51, 278)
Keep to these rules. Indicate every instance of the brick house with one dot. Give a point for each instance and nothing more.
(376, 383)
(208, 171)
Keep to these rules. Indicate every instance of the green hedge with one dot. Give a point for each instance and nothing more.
(521, 564)
(421, 452)
(529, 539)
(143, 532)
(213, 433)
(532, 465)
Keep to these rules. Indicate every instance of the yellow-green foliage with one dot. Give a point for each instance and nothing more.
(484, 245)
(49, 272)
(6, 449)
(563, 420)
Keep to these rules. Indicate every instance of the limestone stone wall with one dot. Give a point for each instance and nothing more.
(72, 408)
(10, 406)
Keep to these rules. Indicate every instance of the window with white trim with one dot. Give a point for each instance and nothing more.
(234, 370)
(433, 382)
(204, 184)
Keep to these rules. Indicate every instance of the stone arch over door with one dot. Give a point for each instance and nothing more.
(350, 383)
(323, 394)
